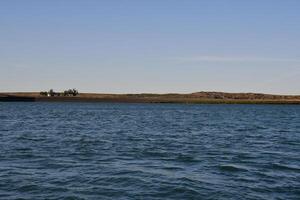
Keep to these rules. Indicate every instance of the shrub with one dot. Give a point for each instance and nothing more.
(44, 93)
(70, 92)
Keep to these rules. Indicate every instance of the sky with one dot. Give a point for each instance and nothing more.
(157, 46)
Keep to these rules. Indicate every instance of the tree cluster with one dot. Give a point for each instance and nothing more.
(52, 93)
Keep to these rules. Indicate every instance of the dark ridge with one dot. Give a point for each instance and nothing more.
(8, 98)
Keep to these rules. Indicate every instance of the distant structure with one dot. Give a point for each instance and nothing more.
(52, 93)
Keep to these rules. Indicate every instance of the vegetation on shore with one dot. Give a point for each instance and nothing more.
(193, 98)
(51, 93)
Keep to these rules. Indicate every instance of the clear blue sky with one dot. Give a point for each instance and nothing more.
(150, 46)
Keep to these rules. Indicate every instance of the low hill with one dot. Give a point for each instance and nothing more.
(197, 97)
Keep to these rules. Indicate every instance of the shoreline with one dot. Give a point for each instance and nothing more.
(193, 98)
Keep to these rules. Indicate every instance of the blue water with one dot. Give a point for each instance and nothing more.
(149, 151)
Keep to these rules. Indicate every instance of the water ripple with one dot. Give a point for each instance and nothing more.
(145, 151)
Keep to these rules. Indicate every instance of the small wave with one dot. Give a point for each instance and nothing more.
(232, 168)
(176, 192)
(278, 166)
(186, 158)
(173, 168)
(28, 188)
(3, 117)
(71, 198)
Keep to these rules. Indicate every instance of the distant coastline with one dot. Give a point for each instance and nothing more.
(192, 98)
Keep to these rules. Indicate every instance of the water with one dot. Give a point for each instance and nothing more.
(149, 151)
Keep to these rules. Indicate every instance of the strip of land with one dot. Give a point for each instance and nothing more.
(192, 98)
